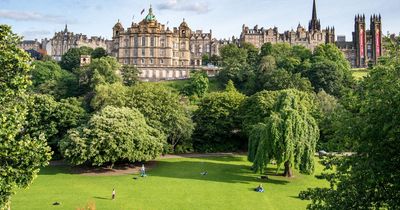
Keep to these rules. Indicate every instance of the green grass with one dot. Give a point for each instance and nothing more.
(180, 84)
(172, 184)
(359, 73)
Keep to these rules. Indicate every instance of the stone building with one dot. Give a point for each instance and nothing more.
(65, 40)
(30, 45)
(158, 51)
(366, 47)
(310, 38)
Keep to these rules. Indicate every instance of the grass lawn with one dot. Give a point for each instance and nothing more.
(172, 184)
(360, 73)
(180, 84)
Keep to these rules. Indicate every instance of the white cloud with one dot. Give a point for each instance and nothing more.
(200, 7)
(32, 16)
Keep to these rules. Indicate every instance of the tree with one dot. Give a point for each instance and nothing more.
(130, 75)
(289, 136)
(205, 59)
(71, 59)
(217, 121)
(21, 156)
(49, 78)
(370, 178)
(198, 84)
(99, 53)
(164, 111)
(112, 135)
(234, 64)
(253, 58)
(330, 71)
(160, 106)
(100, 71)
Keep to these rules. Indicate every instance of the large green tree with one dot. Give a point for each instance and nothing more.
(130, 75)
(20, 155)
(288, 135)
(217, 121)
(370, 178)
(198, 85)
(112, 135)
(99, 53)
(49, 78)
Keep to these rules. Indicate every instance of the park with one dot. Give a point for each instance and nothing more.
(171, 184)
(94, 136)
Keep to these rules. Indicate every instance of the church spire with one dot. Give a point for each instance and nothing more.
(314, 23)
(314, 12)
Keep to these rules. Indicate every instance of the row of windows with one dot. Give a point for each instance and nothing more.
(144, 41)
(151, 61)
(135, 52)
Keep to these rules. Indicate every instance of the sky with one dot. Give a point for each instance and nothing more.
(42, 18)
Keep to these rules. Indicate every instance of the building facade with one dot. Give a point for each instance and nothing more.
(158, 51)
(366, 47)
(65, 40)
(310, 38)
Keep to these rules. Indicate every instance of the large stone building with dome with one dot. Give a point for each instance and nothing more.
(158, 51)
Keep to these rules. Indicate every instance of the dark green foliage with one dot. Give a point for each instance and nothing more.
(49, 78)
(21, 156)
(71, 59)
(52, 119)
(288, 135)
(163, 110)
(130, 75)
(100, 71)
(161, 107)
(113, 134)
(330, 71)
(234, 64)
(99, 53)
(218, 123)
(198, 85)
(205, 59)
(370, 178)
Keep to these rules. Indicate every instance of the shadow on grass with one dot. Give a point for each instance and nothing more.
(216, 171)
(228, 169)
(101, 198)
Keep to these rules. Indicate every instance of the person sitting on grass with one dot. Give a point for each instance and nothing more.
(204, 173)
(259, 188)
(143, 171)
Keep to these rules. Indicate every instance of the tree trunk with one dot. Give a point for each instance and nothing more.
(288, 171)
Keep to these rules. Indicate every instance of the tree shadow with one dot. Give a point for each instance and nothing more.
(216, 172)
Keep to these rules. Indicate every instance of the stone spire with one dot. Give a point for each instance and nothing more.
(314, 12)
(314, 24)
(66, 28)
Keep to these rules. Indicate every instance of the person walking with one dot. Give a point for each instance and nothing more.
(113, 194)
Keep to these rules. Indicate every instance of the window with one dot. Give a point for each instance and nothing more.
(143, 41)
(136, 41)
(135, 52)
(152, 41)
(142, 60)
(143, 52)
(161, 61)
(152, 52)
(151, 60)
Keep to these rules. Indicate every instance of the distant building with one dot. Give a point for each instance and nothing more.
(30, 45)
(159, 52)
(366, 47)
(310, 38)
(341, 38)
(65, 40)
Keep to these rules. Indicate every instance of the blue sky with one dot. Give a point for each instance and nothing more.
(41, 18)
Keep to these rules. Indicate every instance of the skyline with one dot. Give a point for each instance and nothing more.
(96, 18)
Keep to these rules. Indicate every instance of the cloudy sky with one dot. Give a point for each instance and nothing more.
(41, 18)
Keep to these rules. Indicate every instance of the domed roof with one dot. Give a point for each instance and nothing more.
(184, 24)
(150, 17)
(118, 25)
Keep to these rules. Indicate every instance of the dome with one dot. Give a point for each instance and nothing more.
(184, 24)
(118, 25)
(150, 17)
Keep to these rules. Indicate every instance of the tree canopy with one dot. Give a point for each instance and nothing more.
(113, 134)
(288, 135)
(21, 156)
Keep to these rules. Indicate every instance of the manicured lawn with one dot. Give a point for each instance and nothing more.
(172, 184)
